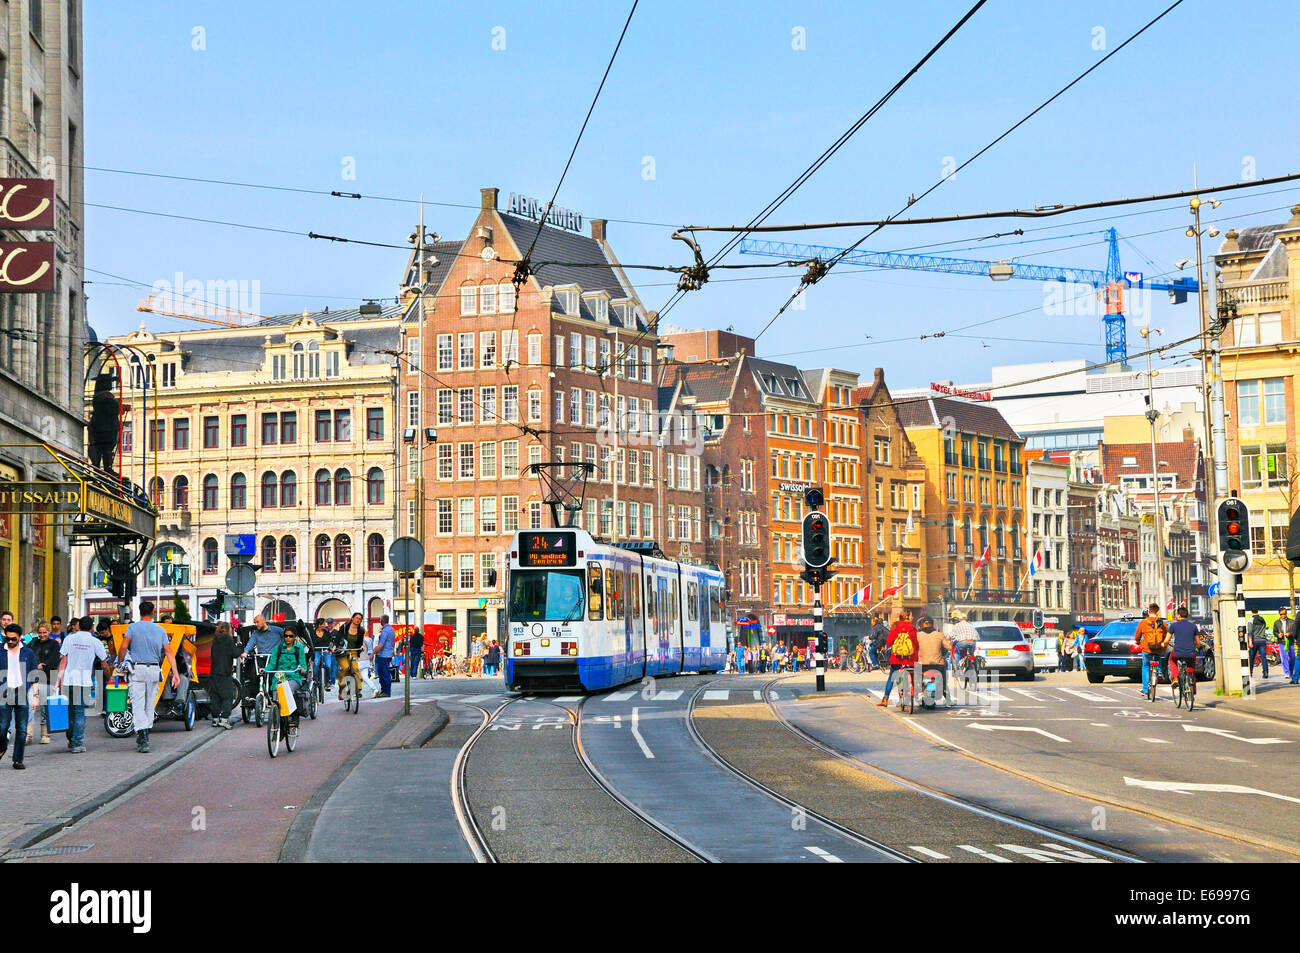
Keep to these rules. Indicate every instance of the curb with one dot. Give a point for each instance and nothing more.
(294, 848)
(1242, 708)
(90, 806)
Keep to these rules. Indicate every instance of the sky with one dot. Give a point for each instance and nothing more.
(709, 112)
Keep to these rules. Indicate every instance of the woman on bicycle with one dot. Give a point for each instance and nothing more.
(902, 627)
(348, 643)
(289, 662)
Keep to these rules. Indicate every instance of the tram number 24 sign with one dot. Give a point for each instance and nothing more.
(27, 266)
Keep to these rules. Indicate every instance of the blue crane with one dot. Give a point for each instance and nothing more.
(1111, 283)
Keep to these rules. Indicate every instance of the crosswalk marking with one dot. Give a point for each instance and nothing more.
(1032, 696)
(568, 698)
(619, 696)
(1078, 855)
(927, 852)
(717, 695)
(829, 858)
(669, 696)
(758, 696)
(983, 853)
(480, 698)
(1156, 741)
(1086, 696)
(1039, 855)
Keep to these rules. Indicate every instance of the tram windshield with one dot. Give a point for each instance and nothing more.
(552, 595)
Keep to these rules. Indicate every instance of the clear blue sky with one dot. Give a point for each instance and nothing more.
(417, 97)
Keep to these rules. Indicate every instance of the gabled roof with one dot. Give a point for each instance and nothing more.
(1183, 459)
(445, 254)
(783, 381)
(967, 416)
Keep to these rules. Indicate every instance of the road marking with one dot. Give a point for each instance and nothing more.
(985, 726)
(636, 733)
(480, 698)
(983, 853)
(619, 696)
(1099, 724)
(670, 696)
(1031, 852)
(717, 695)
(1076, 854)
(1187, 787)
(829, 858)
(1032, 696)
(1156, 741)
(758, 696)
(568, 698)
(927, 852)
(1235, 737)
(1086, 696)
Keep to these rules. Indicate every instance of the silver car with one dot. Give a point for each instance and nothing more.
(1005, 648)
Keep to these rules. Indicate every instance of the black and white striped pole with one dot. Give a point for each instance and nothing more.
(820, 636)
(817, 558)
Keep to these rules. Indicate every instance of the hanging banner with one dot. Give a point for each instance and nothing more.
(27, 203)
(26, 266)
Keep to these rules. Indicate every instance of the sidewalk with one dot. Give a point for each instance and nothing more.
(59, 788)
(1274, 698)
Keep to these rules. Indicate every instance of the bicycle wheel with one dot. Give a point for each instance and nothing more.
(291, 737)
(261, 708)
(1178, 688)
(1153, 680)
(356, 695)
(1189, 693)
(273, 734)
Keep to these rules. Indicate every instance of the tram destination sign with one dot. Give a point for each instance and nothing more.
(548, 549)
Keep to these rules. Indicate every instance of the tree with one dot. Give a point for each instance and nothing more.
(181, 612)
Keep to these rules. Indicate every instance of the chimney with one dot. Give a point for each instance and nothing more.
(1188, 435)
(488, 198)
(598, 229)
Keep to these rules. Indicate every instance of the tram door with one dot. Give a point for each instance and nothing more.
(663, 596)
(702, 609)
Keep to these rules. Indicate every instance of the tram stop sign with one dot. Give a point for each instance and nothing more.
(406, 554)
(240, 579)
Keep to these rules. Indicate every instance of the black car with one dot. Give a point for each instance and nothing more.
(1113, 651)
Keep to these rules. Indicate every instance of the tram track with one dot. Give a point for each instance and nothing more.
(474, 836)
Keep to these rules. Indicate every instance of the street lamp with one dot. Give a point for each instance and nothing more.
(1152, 416)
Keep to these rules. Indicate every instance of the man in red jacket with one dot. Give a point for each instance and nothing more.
(896, 661)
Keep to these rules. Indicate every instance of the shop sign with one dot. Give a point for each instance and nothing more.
(26, 266)
(527, 207)
(798, 489)
(950, 391)
(27, 203)
(781, 618)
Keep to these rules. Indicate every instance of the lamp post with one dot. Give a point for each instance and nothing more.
(1152, 416)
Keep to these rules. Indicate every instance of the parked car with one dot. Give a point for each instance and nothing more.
(1005, 648)
(1112, 651)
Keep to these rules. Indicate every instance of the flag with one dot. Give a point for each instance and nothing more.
(983, 560)
(862, 595)
(1169, 606)
(1036, 563)
(893, 591)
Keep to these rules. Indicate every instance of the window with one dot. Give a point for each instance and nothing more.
(589, 409)
(322, 426)
(343, 552)
(487, 299)
(1247, 403)
(534, 349)
(313, 360)
(444, 517)
(324, 554)
(289, 427)
(374, 423)
(210, 492)
(210, 554)
(444, 352)
(288, 488)
(488, 349)
(487, 514)
(211, 432)
(181, 433)
(375, 485)
(1250, 477)
(412, 355)
(559, 407)
(509, 348)
(288, 554)
(343, 425)
(510, 459)
(466, 561)
(444, 461)
(181, 493)
(506, 298)
(1275, 401)
(645, 364)
(487, 461)
(270, 429)
(444, 406)
(465, 516)
(270, 489)
(510, 402)
(466, 461)
(575, 349)
(342, 488)
(465, 345)
(534, 405)
(568, 301)
(509, 514)
(1275, 464)
(299, 361)
(589, 347)
(469, 300)
(444, 571)
(322, 488)
(269, 550)
(465, 405)
(374, 552)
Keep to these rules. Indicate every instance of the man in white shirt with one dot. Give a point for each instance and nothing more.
(964, 637)
(79, 652)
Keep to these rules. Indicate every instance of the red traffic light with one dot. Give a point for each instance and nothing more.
(1234, 528)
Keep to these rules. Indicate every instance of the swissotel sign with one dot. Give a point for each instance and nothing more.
(526, 207)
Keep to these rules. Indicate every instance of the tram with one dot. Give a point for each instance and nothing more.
(584, 615)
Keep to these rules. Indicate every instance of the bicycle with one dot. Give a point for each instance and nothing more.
(279, 727)
(1185, 687)
(1153, 677)
(350, 685)
(906, 689)
(254, 706)
(969, 667)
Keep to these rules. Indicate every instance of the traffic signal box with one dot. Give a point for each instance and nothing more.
(1234, 535)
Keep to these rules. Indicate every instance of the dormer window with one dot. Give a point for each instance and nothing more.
(598, 302)
(568, 299)
(332, 364)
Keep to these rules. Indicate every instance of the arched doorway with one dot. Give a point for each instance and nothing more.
(334, 609)
(277, 611)
(376, 608)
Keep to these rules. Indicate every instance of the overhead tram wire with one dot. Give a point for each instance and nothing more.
(803, 177)
(818, 269)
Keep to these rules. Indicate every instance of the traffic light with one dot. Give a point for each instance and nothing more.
(816, 540)
(122, 586)
(1036, 618)
(1234, 535)
(216, 605)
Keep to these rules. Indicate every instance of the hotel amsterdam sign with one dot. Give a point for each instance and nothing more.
(81, 507)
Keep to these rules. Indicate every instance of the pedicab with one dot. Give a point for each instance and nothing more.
(254, 700)
(181, 703)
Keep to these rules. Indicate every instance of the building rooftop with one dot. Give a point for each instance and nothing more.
(966, 416)
(779, 380)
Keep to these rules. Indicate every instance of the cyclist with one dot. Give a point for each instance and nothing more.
(322, 646)
(1183, 650)
(902, 627)
(964, 638)
(262, 640)
(1153, 635)
(348, 643)
(931, 648)
(289, 663)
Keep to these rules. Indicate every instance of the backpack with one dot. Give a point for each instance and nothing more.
(903, 645)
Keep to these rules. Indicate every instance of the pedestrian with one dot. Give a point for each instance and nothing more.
(18, 660)
(1284, 631)
(1257, 634)
(383, 652)
(493, 657)
(1067, 654)
(144, 646)
(901, 643)
(414, 651)
(47, 663)
(222, 675)
(1080, 639)
(879, 634)
(80, 653)
(56, 628)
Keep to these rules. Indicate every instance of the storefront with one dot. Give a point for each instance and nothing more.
(792, 628)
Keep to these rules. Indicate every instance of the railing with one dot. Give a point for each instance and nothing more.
(999, 466)
(1017, 468)
(1274, 291)
(967, 460)
(998, 596)
(952, 549)
(984, 463)
(949, 458)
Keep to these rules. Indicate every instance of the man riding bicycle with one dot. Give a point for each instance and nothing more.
(964, 638)
(1183, 650)
(262, 640)
(1153, 636)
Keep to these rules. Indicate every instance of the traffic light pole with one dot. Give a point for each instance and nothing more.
(820, 635)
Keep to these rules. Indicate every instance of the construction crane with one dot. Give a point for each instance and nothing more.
(155, 304)
(1110, 283)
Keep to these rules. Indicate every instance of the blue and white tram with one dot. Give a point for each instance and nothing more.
(584, 615)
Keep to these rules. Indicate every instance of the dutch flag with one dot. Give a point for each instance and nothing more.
(1036, 563)
(862, 595)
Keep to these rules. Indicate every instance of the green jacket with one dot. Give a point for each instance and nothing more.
(293, 661)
